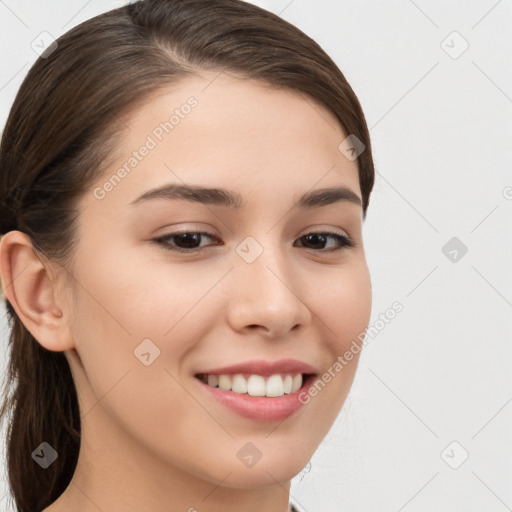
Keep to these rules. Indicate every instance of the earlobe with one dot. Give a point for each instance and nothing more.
(31, 290)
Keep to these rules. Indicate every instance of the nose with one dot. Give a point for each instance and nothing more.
(266, 297)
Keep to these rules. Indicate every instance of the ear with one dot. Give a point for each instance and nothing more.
(31, 288)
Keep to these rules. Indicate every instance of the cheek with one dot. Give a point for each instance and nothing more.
(138, 300)
(121, 307)
(343, 304)
(123, 304)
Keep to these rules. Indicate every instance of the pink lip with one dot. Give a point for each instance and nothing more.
(259, 408)
(264, 368)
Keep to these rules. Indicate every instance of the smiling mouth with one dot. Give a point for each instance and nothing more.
(275, 385)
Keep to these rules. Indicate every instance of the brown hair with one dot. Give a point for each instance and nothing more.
(60, 134)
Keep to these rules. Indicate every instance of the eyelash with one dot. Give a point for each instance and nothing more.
(344, 240)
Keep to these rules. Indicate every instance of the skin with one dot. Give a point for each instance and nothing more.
(152, 438)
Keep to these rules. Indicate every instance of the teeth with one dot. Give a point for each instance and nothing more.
(288, 381)
(297, 383)
(275, 386)
(225, 382)
(239, 384)
(256, 385)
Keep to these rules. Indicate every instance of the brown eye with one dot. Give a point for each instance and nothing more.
(190, 241)
(317, 240)
(185, 241)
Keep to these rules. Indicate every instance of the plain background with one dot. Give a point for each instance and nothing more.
(433, 386)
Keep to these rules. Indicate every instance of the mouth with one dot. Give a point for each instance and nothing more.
(259, 390)
(271, 386)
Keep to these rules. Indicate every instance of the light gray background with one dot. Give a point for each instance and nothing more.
(441, 133)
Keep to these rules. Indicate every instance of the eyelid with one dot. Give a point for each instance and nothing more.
(324, 229)
(347, 241)
(161, 241)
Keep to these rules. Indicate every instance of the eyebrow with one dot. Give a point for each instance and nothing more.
(222, 197)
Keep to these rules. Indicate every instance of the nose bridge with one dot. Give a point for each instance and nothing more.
(265, 291)
(265, 266)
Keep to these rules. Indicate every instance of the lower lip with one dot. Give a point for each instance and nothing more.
(259, 408)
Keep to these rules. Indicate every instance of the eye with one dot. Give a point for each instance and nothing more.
(320, 238)
(187, 241)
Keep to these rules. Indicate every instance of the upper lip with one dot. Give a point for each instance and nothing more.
(264, 368)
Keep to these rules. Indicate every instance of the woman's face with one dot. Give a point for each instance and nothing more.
(148, 319)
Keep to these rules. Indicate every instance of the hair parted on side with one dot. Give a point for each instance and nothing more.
(60, 135)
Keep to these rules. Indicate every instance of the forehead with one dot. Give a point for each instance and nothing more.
(218, 129)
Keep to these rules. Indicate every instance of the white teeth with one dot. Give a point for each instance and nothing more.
(288, 380)
(297, 383)
(256, 385)
(225, 382)
(275, 386)
(239, 384)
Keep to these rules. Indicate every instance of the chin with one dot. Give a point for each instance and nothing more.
(264, 474)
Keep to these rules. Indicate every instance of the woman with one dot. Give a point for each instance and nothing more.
(183, 187)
